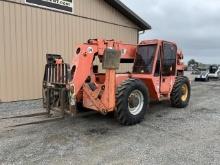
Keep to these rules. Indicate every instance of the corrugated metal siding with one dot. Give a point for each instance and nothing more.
(97, 9)
(2, 67)
(28, 33)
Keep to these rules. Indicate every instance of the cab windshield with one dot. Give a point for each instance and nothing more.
(144, 59)
(213, 69)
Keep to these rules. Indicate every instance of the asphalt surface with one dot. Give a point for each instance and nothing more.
(166, 136)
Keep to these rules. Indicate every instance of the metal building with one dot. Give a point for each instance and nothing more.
(29, 29)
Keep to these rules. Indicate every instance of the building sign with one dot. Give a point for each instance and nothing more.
(64, 5)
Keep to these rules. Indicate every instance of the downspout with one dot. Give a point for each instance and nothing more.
(140, 33)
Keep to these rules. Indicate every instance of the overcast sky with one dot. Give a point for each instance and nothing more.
(193, 24)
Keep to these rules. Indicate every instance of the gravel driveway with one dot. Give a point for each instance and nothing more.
(166, 136)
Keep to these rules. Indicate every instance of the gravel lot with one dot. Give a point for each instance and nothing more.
(166, 136)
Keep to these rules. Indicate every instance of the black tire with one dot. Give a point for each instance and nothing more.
(123, 93)
(176, 94)
(207, 79)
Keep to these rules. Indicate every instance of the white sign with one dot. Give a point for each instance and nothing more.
(63, 5)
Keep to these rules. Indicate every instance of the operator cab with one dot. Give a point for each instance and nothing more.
(158, 61)
(213, 69)
(156, 57)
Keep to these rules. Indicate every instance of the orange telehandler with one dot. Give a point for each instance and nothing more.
(158, 74)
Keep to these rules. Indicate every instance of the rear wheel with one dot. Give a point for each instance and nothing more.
(180, 94)
(132, 102)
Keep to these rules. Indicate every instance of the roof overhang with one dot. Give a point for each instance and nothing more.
(123, 9)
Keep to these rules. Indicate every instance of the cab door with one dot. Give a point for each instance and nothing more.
(168, 66)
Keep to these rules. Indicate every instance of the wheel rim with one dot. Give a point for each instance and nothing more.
(135, 102)
(185, 92)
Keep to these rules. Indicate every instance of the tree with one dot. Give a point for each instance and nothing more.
(193, 62)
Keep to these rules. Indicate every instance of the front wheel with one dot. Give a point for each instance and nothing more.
(180, 94)
(132, 100)
(207, 79)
